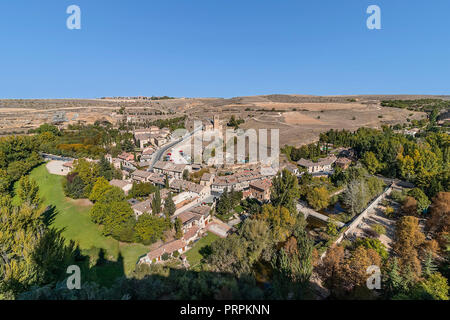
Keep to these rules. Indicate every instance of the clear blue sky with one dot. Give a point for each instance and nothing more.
(223, 48)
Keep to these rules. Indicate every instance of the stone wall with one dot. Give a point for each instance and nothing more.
(354, 224)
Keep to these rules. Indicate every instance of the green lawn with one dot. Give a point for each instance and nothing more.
(193, 255)
(73, 218)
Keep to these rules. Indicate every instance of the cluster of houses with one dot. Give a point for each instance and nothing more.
(148, 140)
(153, 136)
(190, 197)
(324, 166)
(194, 223)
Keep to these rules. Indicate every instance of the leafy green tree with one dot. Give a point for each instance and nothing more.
(285, 191)
(422, 200)
(166, 182)
(156, 203)
(28, 191)
(17, 169)
(169, 206)
(106, 169)
(48, 128)
(332, 228)
(74, 186)
(436, 286)
(375, 244)
(165, 256)
(141, 190)
(99, 212)
(31, 254)
(100, 187)
(112, 194)
(371, 162)
(224, 204)
(293, 267)
(318, 198)
(356, 196)
(281, 220)
(429, 267)
(88, 172)
(392, 278)
(229, 255)
(178, 228)
(150, 229)
(5, 181)
(119, 214)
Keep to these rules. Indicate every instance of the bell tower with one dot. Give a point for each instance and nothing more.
(216, 122)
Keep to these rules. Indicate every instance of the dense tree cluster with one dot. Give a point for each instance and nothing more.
(79, 183)
(227, 202)
(84, 141)
(311, 151)
(423, 161)
(173, 124)
(141, 190)
(235, 123)
(114, 213)
(18, 155)
(413, 270)
(31, 253)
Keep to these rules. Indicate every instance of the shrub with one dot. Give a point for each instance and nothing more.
(378, 228)
(371, 233)
(374, 244)
(332, 229)
(397, 196)
(165, 256)
(389, 212)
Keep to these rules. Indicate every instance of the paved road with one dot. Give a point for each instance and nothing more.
(160, 152)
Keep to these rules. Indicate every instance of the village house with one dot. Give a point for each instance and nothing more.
(160, 140)
(125, 156)
(194, 223)
(114, 161)
(260, 189)
(192, 234)
(179, 185)
(198, 216)
(347, 153)
(246, 194)
(185, 198)
(147, 153)
(150, 130)
(207, 179)
(142, 207)
(144, 139)
(343, 163)
(322, 165)
(168, 248)
(122, 184)
(268, 171)
(141, 176)
(171, 169)
(292, 168)
(123, 161)
(238, 181)
(156, 179)
(159, 180)
(67, 167)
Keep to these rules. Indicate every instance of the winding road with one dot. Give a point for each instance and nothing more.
(157, 156)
